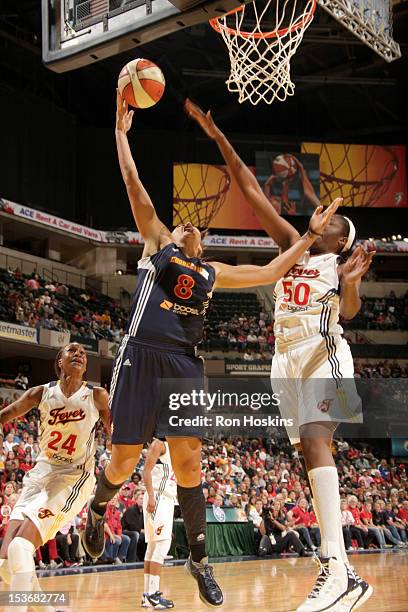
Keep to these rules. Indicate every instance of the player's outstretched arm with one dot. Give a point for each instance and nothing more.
(279, 229)
(350, 275)
(252, 276)
(156, 449)
(154, 232)
(30, 399)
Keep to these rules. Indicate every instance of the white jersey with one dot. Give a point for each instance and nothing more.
(163, 478)
(67, 432)
(307, 301)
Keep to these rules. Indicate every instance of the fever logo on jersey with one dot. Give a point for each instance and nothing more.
(159, 530)
(44, 513)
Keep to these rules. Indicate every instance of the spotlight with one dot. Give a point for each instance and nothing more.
(394, 237)
(119, 272)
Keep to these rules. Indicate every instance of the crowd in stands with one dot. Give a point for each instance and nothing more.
(34, 302)
(238, 322)
(263, 480)
(387, 313)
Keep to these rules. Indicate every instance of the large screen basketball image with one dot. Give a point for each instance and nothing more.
(363, 175)
(289, 181)
(206, 195)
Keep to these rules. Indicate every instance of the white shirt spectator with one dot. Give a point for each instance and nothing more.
(347, 518)
(255, 517)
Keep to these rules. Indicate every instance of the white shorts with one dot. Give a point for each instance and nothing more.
(158, 525)
(315, 382)
(52, 496)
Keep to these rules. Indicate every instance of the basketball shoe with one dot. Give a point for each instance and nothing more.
(156, 601)
(210, 592)
(331, 586)
(93, 536)
(358, 592)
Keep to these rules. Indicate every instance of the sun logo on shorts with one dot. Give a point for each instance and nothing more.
(159, 530)
(44, 513)
(324, 405)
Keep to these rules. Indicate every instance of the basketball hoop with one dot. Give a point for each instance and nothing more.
(260, 57)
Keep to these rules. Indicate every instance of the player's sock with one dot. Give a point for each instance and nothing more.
(154, 584)
(22, 568)
(325, 485)
(5, 571)
(105, 490)
(192, 506)
(146, 583)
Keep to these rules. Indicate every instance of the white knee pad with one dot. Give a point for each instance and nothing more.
(157, 551)
(20, 555)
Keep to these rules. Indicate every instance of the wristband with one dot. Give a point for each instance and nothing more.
(313, 233)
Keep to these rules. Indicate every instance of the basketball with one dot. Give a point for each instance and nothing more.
(284, 166)
(141, 83)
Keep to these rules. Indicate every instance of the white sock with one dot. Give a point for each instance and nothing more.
(146, 583)
(154, 584)
(5, 571)
(22, 568)
(326, 499)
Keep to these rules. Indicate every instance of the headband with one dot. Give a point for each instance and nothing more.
(351, 236)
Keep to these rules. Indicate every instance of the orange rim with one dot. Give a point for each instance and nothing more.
(219, 27)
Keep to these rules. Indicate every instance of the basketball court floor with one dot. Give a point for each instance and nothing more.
(276, 585)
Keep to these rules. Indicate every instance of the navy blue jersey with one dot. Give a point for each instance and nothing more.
(171, 298)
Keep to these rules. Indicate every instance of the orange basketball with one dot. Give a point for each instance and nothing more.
(141, 83)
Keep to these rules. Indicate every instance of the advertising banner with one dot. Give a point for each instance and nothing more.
(11, 331)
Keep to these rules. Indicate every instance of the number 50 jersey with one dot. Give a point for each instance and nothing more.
(307, 300)
(67, 430)
(171, 298)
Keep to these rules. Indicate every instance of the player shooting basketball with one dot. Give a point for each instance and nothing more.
(61, 482)
(309, 350)
(174, 286)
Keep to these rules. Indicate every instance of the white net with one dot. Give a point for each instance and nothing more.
(261, 38)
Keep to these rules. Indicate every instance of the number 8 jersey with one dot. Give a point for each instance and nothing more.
(171, 298)
(67, 430)
(307, 300)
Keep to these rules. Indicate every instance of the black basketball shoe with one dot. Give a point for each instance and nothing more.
(210, 592)
(93, 536)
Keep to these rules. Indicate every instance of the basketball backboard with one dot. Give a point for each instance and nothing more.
(80, 32)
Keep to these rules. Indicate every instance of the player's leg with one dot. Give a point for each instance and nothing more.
(134, 407)
(20, 554)
(186, 461)
(158, 526)
(121, 466)
(12, 529)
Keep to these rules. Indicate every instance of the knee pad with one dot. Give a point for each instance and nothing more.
(20, 555)
(157, 551)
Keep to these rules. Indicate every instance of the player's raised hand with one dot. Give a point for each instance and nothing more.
(357, 265)
(123, 115)
(321, 217)
(204, 120)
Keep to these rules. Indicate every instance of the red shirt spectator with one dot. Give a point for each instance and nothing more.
(356, 515)
(113, 519)
(301, 516)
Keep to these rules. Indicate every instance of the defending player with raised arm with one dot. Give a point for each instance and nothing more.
(158, 511)
(174, 287)
(313, 364)
(334, 239)
(62, 481)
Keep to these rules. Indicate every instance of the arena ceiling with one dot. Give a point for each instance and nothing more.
(344, 91)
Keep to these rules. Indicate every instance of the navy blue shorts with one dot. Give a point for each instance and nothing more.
(146, 381)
